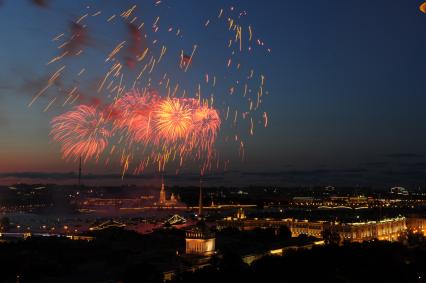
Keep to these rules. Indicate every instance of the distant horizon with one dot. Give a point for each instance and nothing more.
(222, 179)
(342, 83)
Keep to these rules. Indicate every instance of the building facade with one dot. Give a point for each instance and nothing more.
(199, 240)
(417, 224)
(387, 229)
(163, 201)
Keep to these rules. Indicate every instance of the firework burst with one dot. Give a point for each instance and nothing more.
(173, 120)
(133, 114)
(82, 132)
(141, 125)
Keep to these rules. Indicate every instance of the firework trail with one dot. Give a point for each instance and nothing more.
(172, 124)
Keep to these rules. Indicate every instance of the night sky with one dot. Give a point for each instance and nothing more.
(346, 82)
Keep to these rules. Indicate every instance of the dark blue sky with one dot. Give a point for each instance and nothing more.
(347, 83)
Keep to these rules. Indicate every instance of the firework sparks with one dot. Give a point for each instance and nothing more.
(179, 125)
(82, 132)
(172, 119)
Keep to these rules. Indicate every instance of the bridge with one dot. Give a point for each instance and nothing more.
(25, 235)
(176, 220)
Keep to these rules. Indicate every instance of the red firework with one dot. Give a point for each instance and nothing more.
(82, 132)
(134, 114)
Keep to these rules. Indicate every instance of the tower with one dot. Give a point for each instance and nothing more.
(200, 201)
(162, 199)
(200, 240)
(79, 173)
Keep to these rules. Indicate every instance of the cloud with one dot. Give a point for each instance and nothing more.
(60, 176)
(3, 120)
(417, 165)
(307, 172)
(414, 175)
(376, 164)
(404, 155)
(39, 175)
(353, 170)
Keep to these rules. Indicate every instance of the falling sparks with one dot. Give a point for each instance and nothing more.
(154, 128)
(51, 81)
(220, 13)
(50, 104)
(111, 18)
(190, 57)
(82, 132)
(115, 51)
(82, 18)
(126, 14)
(265, 118)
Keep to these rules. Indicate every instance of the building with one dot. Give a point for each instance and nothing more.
(240, 214)
(303, 200)
(386, 229)
(399, 191)
(417, 224)
(199, 240)
(305, 227)
(163, 201)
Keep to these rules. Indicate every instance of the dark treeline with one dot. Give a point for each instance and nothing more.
(367, 262)
(118, 255)
(115, 255)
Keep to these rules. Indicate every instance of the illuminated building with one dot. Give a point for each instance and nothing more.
(199, 240)
(386, 229)
(163, 201)
(80, 238)
(311, 228)
(303, 200)
(417, 224)
(399, 191)
(241, 214)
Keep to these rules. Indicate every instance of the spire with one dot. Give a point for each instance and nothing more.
(162, 199)
(200, 201)
(79, 172)
(162, 180)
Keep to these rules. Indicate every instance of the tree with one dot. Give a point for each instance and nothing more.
(284, 232)
(231, 262)
(4, 223)
(415, 239)
(330, 236)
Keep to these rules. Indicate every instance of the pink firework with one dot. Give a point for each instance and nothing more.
(206, 123)
(133, 114)
(82, 132)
